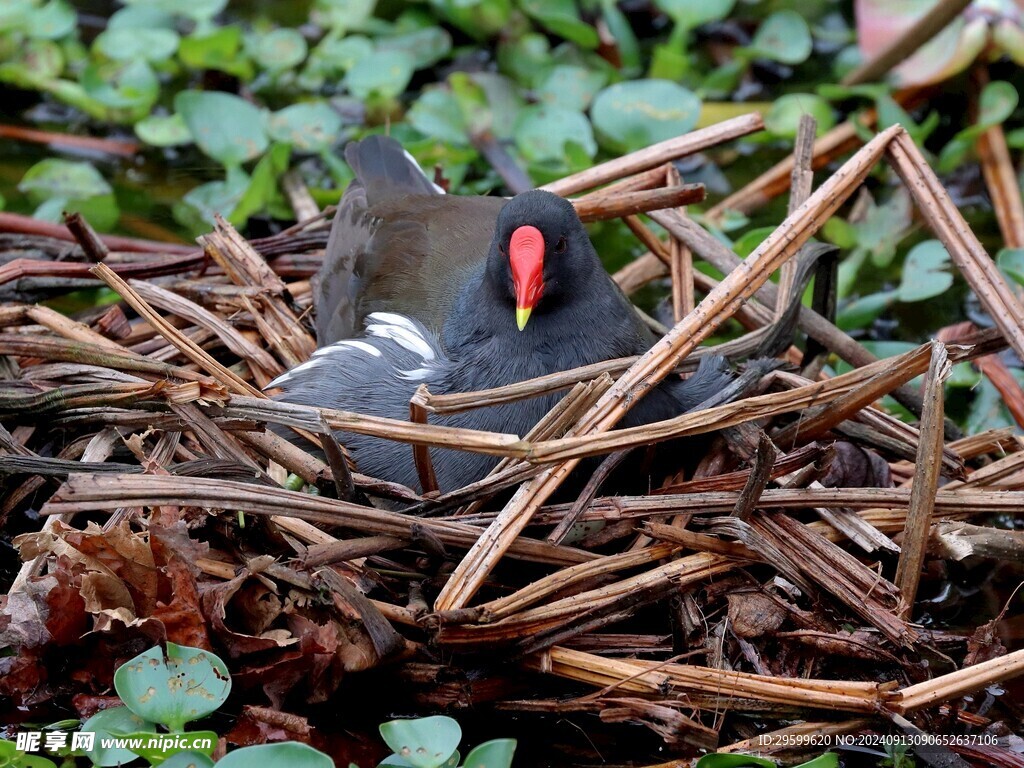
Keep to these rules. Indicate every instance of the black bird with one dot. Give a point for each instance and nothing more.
(461, 294)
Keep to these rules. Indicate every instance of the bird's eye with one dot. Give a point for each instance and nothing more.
(501, 249)
(560, 248)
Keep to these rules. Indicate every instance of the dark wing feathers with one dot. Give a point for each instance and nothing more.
(396, 243)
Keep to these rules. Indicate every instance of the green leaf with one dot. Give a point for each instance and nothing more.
(397, 761)
(730, 760)
(491, 754)
(281, 49)
(669, 62)
(219, 50)
(884, 226)
(480, 19)
(163, 131)
(748, 241)
(783, 36)
(132, 43)
(1011, 262)
(571, 87)
(862, 312)
(56, 19)
(312, 126)
(292, 754)
(34, 761)
(15, 15)
(342, 15)
(527, 59)
(340, 55)
(561, 17)
(187, 684)
(197, 208)
(35, 63)
(436, 114)
(891, 113)
(141, 17)
(62, 178)
(197, 10)
(380, 74)
(225, 127)
(187, 760)
(131, 88)
(156, 754)
(625, 39)
(827, 760)
(426, 742)
(987, 409)
(784, 117)
(997, 102)
(543, 133)
(633, 115)
(688, 14)
(923, 272)
(114, 722)
(262, 188)
(426, 46)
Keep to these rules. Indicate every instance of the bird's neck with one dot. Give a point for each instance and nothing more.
(482, 331)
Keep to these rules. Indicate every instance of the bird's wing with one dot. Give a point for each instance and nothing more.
(397, 244)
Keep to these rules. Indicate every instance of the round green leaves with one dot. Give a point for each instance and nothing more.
(633, 115)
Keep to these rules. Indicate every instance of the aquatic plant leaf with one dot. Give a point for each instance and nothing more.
(527, 59)
(571, 86)
(311, 126)
(280, 49)
(561, 17)
(114, 722)
(1011, 262)
(783, 118)
(924, 275)
(156, 753)
(784, 37)
(226, 127)
(544, 131)
(127, 43)
(426, 742)
(397, 761)
(827, 760)
(163, 131)
(341, 16)
(220, 50)
(197, 10)
(997, 102)
(629, 116)
(480, 19)
(293, 754)
(63, 178)
(862, 312)
(426, 46)
(491, 754)
(731, 760)
(383, 74)
(692, 13)
(185, 685)
(188, 759)
(131, 87)
(56, 19)
(436, 114)
(626, 43)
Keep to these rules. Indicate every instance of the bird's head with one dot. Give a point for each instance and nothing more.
(539, 248)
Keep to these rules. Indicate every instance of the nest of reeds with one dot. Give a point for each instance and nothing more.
(777, 584)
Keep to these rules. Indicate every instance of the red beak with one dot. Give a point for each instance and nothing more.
(526, 256)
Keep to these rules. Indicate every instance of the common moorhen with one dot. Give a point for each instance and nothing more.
(461, 294)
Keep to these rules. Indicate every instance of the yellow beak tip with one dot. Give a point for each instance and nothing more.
(522, 316)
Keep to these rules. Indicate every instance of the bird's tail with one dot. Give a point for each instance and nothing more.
(384, 169)
(708, 384)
